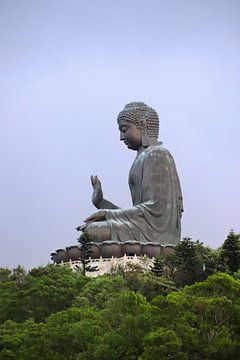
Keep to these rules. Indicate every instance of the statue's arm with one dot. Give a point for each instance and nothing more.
(160, 190)
(106, 204)
(97, 197)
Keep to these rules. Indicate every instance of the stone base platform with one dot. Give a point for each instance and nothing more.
(105, 265)
(112, 249)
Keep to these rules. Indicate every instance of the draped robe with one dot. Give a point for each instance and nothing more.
(156, 198)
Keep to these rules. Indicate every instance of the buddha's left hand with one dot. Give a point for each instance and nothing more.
(99, 215)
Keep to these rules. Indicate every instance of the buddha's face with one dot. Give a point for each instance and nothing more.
(130, 134)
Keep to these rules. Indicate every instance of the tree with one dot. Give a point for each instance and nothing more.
(101, 289)
(163, 344)
(18, 275)
(230, 253)
(5, 275)
(64, 335)
(186, 261)
(208, 259)
(126, 320)
(8, 291)
(204, 316)
(158, 266)
(78, 318)
(44, 291)
(137, 279)
(86, 251)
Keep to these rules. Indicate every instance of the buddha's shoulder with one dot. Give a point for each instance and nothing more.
(157, 151)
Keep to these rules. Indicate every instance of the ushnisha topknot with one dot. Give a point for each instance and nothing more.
(139, 113)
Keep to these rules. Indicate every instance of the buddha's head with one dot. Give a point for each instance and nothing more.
(138, 125)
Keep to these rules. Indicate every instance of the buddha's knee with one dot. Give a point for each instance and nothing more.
(98, 231)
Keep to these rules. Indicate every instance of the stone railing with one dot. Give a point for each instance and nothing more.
(105, 265)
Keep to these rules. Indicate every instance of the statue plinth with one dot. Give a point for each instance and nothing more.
(115, 249)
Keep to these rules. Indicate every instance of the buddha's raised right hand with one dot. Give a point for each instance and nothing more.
(97, 196)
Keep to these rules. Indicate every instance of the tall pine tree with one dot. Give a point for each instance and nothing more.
(86, 251)
(230, 253)
(187, 262)
(158, 267)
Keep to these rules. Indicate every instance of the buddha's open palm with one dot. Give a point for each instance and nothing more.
(97, 195)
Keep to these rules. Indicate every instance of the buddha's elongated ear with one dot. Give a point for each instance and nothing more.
(143, 128)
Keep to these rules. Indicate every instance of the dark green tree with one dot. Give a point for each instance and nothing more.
(158, 267)
(101, 289)
(5, 274)
(162, 344)
(204, 316)
(125, 320)
(208, 258)
(18, 275)
(8, 291)
(230, 253)
(144, 282)
(187, 262)
(44, 291)
(86, 251)
(77, 318)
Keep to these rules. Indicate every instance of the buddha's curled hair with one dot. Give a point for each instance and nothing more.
(140, 113)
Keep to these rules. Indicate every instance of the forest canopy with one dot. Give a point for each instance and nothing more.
(52, 313)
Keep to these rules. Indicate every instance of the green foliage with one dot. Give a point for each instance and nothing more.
(150, 285)
(65, 335)
(145, 283)
(86, 251)
(163, 344)
(126, 320)
(187, 261)
(205, 316)
(52, 313)
(219, 284)
(201, 321)
(45, 290)
(8, 292)
(102, 289)
(69, 333)
(207, 260)
(5, 275)
(230, 254)
(190, 262)
(158, 266)
(18, 275)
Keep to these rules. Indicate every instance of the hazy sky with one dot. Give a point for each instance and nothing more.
(68, 67)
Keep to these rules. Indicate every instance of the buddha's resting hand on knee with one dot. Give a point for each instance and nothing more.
(97, 195)
(99, 215)
(81, 227)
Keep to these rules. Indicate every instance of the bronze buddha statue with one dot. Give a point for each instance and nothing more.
(157, 206)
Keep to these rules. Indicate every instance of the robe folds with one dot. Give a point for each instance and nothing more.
(157, 201)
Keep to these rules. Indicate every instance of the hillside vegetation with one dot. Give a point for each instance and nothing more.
(186, 307)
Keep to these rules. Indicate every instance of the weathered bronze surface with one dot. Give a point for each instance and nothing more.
(155, 215)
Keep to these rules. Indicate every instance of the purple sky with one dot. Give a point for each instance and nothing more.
(68, 68)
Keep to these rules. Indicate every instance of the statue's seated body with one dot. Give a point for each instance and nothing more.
(154, 184)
